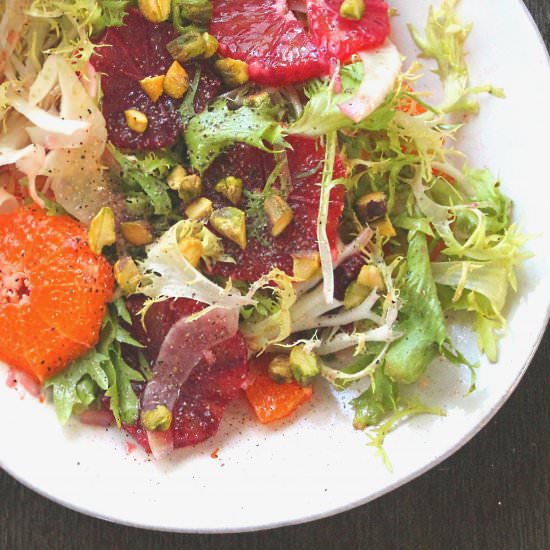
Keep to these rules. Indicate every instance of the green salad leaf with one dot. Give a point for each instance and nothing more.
(422, 324)
(372, 406)
(102, 369)
(143, 179)
(443, 40)
(322, 115)
(211, 132)
(109, 13)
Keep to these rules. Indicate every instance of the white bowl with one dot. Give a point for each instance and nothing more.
(316, 465)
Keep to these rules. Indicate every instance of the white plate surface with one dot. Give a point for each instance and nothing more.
(317, 465)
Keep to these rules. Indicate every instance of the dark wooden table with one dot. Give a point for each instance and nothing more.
(493, 494)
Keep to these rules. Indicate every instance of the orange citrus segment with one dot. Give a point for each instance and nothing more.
(53, 291)
(271, 400)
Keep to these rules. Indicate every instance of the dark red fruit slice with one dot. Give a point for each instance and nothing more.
(213, 383)
(267, 35)
(128, 54)
(340, 38)
(305, 161)
(345, 274)
(278, 48)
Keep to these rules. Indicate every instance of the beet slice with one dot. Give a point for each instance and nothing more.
(253, 166)
(212, 384)
(127, 54)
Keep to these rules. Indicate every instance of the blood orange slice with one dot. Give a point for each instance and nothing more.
(53, 291)
(212, 384)
(129, 54)
(340, 38)
(305, 162)
(277, 46)
(269, 37)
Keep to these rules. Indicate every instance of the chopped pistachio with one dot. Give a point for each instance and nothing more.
(136, 120)
(233, 72)
(152, 86)
(158, 419)
(191, 249)
(155, 11)
(176, 82)
(370, 277)
(231, 188)
(102, 230)
(127, 274)
(188, 186)
(176, 177)
(189, 45)
(352, 9)
(259, 99)
(385, 227)
(212, 45)
(305, 266)
(279, 369)
(197, 12)
(201, 209)
(136, 233)
(279, 214)
(355, 295)
(304, 365)
(230, 222)
(372, 206)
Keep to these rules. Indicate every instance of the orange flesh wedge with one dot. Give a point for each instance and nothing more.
(270, 400)
(53, 291)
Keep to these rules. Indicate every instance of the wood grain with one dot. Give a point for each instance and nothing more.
(493, 494)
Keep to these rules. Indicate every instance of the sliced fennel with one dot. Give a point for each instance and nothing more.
(168, 274)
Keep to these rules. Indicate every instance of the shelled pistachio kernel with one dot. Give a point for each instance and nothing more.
(188, 46)
(305, 266)
(155, 11)
(304, 365)
(212, 45)
(385, 227)
(137, 233)
(136, 120)
(372, 206)
(200, 209)
(279, 214)
(158, 419)
(175, 177)
(355, 295)
(370, 277)
(230, 222)
(231, 188)
(352, 9)
(176, 82)
(191, 249)
(279, 368)
(233, 72)
(196, 11)
(153, 86)
(127, 274)
(188, 186)
(102, 230)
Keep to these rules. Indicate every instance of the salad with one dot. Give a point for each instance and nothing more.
(200, 199)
